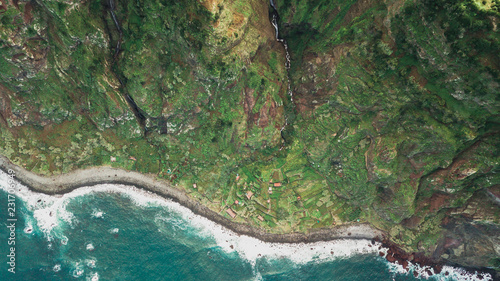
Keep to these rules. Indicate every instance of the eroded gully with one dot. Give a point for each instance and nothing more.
(274, 17)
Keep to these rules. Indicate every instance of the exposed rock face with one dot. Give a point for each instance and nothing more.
(474, 243)
(387, 91)
(141, 69)
(394, 117)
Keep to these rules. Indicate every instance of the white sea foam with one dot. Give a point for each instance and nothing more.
(447, 273)
(89, 247)
(176, 224)
(93, 277)
(247, 247)
(77, 273)
(462, 275)
(56, 268)
(90, 263)
(78, 270)
(28, 229)
(50, 214)
(50, 210)
(97, 213)
(251, 248)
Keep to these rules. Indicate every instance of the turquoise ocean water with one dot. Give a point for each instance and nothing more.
(111, 232)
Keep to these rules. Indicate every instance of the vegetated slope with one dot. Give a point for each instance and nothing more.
(398, 104)
(394, 118)
(153, 86)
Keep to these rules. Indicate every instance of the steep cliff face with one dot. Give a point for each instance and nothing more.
(393, 121)
(402, 97)
(84, 81)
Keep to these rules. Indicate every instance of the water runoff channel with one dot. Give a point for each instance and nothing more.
(274, 17)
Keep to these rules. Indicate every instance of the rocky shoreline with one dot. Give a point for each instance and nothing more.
(397, 255)
(107, 175)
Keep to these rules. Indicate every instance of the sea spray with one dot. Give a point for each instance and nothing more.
(97, 213)
(213, 243)
(447, 273)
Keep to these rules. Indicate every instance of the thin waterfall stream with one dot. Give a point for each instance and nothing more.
(135, 108)
(274, 22)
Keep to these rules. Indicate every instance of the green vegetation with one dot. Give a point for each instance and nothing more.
(398, 108)
(394, 117)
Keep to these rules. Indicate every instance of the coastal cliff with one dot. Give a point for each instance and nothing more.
(391, 118)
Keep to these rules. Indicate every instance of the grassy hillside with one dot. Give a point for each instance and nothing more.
(398, 105)
(394, 118)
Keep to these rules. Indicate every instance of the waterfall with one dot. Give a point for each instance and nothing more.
(141, 119)
(274, 22)
(117, 25)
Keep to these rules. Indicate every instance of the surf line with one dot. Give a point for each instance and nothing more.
(274, 17)
(338, 242)
(48, 210)
(88, 178)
